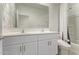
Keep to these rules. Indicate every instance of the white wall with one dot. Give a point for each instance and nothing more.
(37, 17)
(72, 27)
(77, 30)
(1, 13)
(74, 21)
(54, 17)
(73, 9)
(63, 19)
(76, 10)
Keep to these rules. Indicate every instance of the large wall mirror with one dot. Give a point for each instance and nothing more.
(31, 17)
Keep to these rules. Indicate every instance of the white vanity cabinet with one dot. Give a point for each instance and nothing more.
(12, 50)
(47, 44)
(0, 46)
(21, 49)
(40, 44)
(47, 47)
(30, 48)
(19, 45)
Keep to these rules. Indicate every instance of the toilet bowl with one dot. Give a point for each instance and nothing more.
(63, 47)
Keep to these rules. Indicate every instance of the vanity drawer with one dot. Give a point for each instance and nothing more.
(48, 36)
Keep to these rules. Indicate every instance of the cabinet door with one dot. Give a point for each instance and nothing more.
(0, 45)
(12, 50)
(47, 47)
(30, 48)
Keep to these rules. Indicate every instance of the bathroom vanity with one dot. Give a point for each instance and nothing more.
(30, 29)
(31, 44)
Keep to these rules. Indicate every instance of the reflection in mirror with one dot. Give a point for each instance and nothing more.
(23, 21)
(31, 16)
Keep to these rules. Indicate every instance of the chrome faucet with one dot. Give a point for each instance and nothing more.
(22, 31)
(42, 30)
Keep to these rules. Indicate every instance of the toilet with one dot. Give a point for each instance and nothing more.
(63, 47)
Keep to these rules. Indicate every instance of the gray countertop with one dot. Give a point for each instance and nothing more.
(28, 33)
